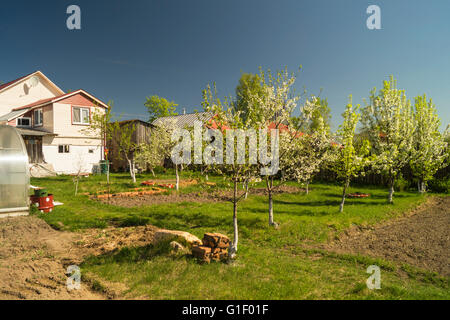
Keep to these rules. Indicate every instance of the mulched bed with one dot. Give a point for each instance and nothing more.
(201, 197)
(421, 239)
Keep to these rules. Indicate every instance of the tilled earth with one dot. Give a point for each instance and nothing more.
(421, 238)
(201, 197)
(34, 257)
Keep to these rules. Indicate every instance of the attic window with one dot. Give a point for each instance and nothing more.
(80, 115)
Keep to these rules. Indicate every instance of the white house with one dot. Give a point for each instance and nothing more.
(51, 123)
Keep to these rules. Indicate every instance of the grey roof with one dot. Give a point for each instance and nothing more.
(185, 120)
(33, 132)
(13, 114)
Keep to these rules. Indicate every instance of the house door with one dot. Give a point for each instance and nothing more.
(34, 149)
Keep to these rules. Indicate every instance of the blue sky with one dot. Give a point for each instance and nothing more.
(127, 50)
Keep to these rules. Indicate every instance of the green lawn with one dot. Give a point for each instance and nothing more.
(271, 264)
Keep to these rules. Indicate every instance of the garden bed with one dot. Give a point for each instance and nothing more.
(420, 239)
(136, 199)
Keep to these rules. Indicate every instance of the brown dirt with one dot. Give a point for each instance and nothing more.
(420, 239)
(34, 257)
(201, 197)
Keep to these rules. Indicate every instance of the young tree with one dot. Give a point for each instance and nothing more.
(429, 148)
(100, 126)
(160, 107)
(153, 153)
(350, 162)
(227, 116)
(388, 119)
(122, 135)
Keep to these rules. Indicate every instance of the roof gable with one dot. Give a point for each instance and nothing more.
(39, 74)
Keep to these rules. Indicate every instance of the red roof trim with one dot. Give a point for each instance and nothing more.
(14, 81)
(55, 99)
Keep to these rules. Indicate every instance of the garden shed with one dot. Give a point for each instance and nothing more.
(14, 174)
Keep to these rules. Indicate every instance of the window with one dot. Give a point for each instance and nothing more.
(38, 117)
(63, 148)
(24, 122)
(80, 115)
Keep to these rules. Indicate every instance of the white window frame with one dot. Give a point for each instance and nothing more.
(41, 116)
(81, 115)
(65, 147)
(22, 125)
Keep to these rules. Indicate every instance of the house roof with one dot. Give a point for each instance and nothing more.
(13, 82)
(43, 102)
(13, 114)
(185, 120)
(34, 132)
(136, 120)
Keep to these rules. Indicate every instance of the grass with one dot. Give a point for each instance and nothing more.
(272, 264)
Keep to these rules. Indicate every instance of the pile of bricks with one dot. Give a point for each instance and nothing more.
(214, 247)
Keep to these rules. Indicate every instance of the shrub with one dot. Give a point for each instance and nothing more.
(439, 185)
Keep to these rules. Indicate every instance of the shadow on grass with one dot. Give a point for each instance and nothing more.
(130, 254)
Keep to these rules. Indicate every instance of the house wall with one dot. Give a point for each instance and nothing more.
(67, 133)
(20, 94)
(78, 158)
(62, 114)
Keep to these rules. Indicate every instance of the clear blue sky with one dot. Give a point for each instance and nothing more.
(128, 50)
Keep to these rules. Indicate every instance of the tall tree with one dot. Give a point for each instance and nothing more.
(160, 107)
(389, 121)
(429, 146)
(272, 106)
(349, 161)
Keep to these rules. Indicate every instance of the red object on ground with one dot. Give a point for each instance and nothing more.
(148, 183)
(358, 195)
(166, 185)
(44, 204)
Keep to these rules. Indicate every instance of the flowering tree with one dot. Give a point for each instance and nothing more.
(153, 153)
(271, 105)
(429, 148)
(388, 119)
(228, 118)
(303, 155)
(350, 162)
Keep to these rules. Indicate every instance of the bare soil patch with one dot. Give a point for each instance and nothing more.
(420, 239)
(31, 261)
(34, 258)
(201, 197)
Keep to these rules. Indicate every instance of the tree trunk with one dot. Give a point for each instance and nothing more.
(234, 244)
(391, 191)
(153, 172)
(307, 187)
(246, 188)
(76, 186)
(346, 184)
(270, 194)
(422, 186)
(132, 171)
(177, 177)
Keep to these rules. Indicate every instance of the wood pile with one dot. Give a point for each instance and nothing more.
(214, 247)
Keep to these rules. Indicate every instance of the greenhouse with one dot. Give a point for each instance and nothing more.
(14, 176)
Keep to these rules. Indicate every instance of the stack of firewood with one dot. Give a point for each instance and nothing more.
(214, 247)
